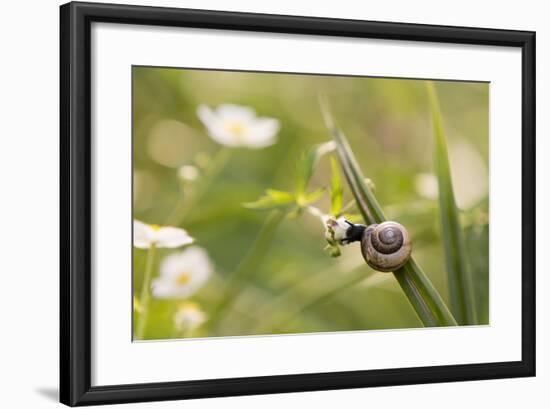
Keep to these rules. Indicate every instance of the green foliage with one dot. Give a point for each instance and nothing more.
(461, 291)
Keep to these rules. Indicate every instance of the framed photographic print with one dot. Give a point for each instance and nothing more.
(261, 203)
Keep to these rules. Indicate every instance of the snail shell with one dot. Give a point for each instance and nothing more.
(386, 246)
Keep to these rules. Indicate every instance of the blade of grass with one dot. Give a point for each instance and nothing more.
(336, 189)
(421, 293)
(458, 274)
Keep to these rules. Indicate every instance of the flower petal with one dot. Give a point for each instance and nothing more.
(189, 316)
(142, 235)
(336, 229)
(220, 135)
(262, 133)
(172, 237)
(165, 289)
(235, 125)
(169, 289)
(207, 116)
(199, 261)
(171, 266)
(193, 262)
(234, 112)
(215, 126)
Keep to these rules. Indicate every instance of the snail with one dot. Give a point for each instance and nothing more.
(385, 246)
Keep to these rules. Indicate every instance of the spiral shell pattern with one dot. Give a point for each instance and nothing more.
(386, 246)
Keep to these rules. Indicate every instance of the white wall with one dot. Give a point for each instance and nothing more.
(29, 204)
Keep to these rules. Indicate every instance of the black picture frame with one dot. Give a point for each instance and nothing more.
(76, 198)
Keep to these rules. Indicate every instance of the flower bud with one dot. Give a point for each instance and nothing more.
(188, 173)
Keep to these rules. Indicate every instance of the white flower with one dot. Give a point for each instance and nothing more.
(188, 173)
(182, 274)
(234, 125)
(189, 316)
(146, 235)
(335, 229)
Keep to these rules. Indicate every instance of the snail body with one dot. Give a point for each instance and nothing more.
(386, 246)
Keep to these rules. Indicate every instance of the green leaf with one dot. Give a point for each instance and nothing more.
(421, 293)
(458, 275)
(336, 189)
(280, 195)
(309, 198)
(307, 163)
(477, 245)
(271, 200)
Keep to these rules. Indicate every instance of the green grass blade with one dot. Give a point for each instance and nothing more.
(458, 275)
(336, 189)
(421, 293)
(427, 302)
(366, 201)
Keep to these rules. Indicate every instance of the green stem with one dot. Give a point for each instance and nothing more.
(423, 296)
(186, 202)
(145, 293)
(246, 268)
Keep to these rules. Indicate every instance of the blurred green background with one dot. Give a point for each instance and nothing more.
(297, 287)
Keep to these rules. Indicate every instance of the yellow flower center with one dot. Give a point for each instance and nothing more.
(237, 129)
(183, 278)
(155, 227)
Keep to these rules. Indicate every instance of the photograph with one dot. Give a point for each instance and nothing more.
(269, 203)
(262, 203)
